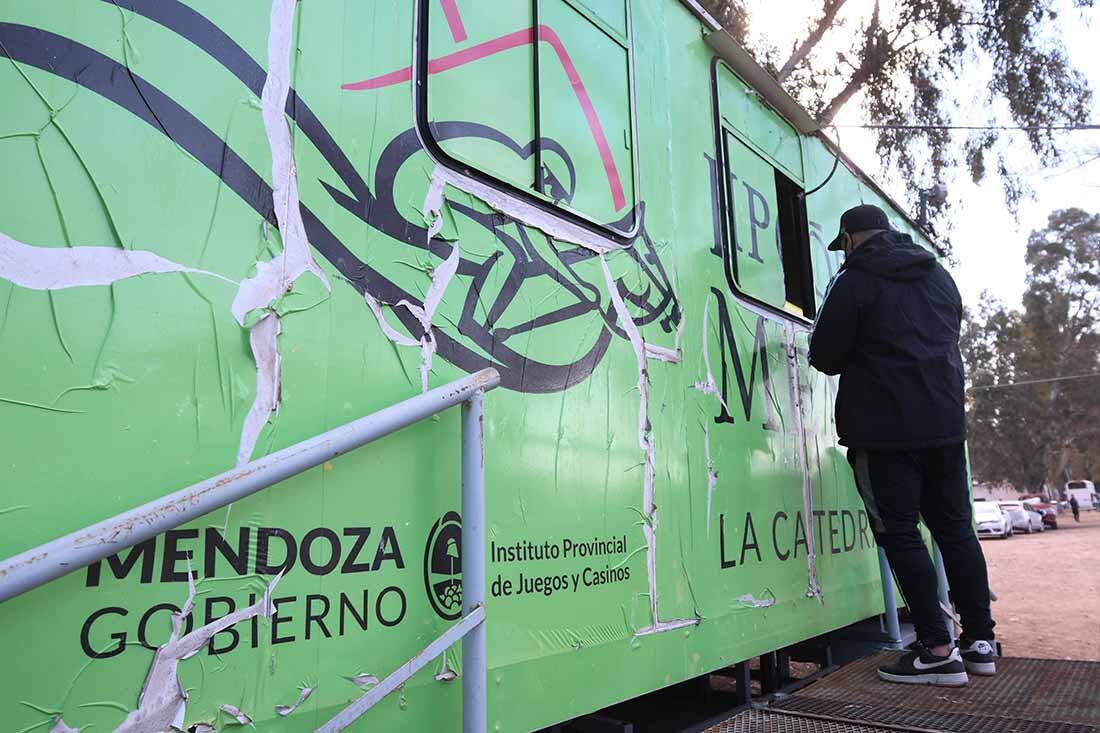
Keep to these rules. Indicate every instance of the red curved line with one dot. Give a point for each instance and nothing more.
(386, 80)
(450, 61)
(503, 43)
(454, 20)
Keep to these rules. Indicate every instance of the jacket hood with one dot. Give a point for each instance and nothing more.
(892, 255)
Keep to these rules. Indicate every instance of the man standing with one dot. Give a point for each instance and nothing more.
(889, 326)
(1075, 507)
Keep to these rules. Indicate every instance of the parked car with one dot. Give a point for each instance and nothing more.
(1022, 520)
(1036, 518)
(991, 521)
(1050, 514)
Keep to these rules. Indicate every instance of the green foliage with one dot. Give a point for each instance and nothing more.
(1034, 404)
(925, 58)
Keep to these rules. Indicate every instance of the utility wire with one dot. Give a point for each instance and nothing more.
(1034, 381)
(1083, 126)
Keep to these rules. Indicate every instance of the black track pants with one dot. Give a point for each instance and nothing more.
(899, 487)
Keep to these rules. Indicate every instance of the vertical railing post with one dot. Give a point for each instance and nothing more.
(889, 599)
(474, 668)
(942, 587)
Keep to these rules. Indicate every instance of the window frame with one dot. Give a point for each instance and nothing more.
(722, 131)
(531, 196)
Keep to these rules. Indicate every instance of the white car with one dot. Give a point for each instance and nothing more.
(991, 521)
(1022, 517)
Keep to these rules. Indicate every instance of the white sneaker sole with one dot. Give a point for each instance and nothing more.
(986, 669)
(952, 679)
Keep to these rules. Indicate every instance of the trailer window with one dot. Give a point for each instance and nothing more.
(768, 248)
(537, 96)
(794, 243)
(490, 98)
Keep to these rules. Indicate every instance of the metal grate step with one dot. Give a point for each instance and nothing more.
(763, 721)
(1026, 696)
(931, 720)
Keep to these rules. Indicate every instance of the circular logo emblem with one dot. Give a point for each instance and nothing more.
(443, 566)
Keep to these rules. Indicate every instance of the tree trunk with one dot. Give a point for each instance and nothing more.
(872, 59)
(863, 73)
(832, 7)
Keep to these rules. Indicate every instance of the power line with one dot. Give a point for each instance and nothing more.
(1067, 128)
(1034, 381)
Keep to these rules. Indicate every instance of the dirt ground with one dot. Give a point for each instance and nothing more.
(1048, 590)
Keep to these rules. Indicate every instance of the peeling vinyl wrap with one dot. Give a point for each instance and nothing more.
(56, 268)
(709, 385)
(750, 601)
(60, 726)
(712, 475)
(552, 226)
(163, 701)
(284, 710)
(646, 443)
(237, 714)
(441, 278)
(794, 385)
(263, 339)
(276, 277)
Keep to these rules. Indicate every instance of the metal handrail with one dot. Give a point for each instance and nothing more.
(38, 566)
(890, 621)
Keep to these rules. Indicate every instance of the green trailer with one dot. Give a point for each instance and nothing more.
(226, 228)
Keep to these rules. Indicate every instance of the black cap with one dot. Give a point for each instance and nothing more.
(860, 218)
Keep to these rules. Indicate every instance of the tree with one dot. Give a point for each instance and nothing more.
(1034, 401)
(907, 62)
(999, 449)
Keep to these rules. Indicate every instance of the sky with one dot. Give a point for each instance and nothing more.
(989, 243)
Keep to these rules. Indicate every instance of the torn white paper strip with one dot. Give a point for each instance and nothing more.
(712, 475)
(56, 268)
(391, 333)
(264, 339)
(646, 443)
(237, 714)
(433, 204)
(794, 387)
(553, 226)
(363, 680)
(662, 353)
(285, 710)
(708, 385)
(662, 626)
(276, 277)
(60, 726)
(753, 602)
(441, 278)
(163, 701)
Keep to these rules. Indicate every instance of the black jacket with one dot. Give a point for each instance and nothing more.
(889, 326)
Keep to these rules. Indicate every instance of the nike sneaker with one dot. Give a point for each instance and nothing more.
(978, 656)
(922, 667)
